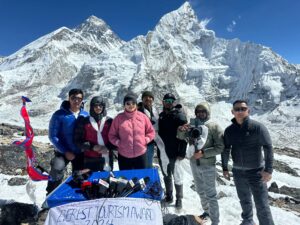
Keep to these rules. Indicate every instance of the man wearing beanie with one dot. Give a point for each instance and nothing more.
(169, 120)
(91, 136)
(203, 161)
(131, 131)
(146, 107)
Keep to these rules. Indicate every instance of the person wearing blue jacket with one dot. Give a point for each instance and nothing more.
(61, 129)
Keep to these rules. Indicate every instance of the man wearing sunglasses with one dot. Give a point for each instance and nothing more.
(245, 139)
(169, 121)
(61, 129)
(203, 161)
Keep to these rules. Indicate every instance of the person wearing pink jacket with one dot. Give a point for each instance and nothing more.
(131, 131)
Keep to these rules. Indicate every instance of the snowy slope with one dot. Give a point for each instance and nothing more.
(229, 206)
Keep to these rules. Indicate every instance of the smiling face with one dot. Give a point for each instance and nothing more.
(201, 113)
(75, 102)
(130, 106)
(98, 108)
(147, 101)
(169, 104)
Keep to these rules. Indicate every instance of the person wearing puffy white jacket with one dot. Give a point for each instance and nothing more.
(131, 131)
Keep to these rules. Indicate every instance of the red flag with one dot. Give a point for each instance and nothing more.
(34, 173)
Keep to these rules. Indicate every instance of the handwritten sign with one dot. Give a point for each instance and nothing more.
(107, 211)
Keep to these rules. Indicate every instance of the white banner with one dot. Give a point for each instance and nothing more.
(107, 211)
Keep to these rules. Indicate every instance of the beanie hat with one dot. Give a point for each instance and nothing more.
(130, 97)
(169, 96)
(97, 100)
(147, 94)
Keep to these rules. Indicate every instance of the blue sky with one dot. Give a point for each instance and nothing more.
(273, 23)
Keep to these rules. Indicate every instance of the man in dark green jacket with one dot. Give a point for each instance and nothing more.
(245, 138)
(203, 161)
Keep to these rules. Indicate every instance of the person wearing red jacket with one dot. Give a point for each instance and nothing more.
(91, 136)
(131, 131)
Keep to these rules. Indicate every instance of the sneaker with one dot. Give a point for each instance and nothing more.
(168, 199)
(178, 204)
(204, 216)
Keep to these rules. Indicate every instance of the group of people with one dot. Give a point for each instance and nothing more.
(88, 140)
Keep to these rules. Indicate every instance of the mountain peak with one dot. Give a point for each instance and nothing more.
(95, 21)
(98, 32)
(186, 8)
(182, 19)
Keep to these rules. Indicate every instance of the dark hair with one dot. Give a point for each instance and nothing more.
(239, 101)
(75, 91)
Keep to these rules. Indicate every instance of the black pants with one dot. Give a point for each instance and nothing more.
(139, 162)
(94, 163)
(58, 165)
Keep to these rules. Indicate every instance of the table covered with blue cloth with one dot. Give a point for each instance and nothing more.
(66, 193)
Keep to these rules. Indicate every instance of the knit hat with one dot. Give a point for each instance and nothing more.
(130, 97)
(147, 94)
(169, 96)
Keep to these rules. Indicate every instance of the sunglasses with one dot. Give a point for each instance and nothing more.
(130, 103)
(75, 98)
(240, 109)
(169, 101)
(201, 111)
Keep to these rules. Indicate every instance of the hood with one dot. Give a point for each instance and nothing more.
(204, 105)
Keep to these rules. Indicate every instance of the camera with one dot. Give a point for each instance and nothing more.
(195, 130)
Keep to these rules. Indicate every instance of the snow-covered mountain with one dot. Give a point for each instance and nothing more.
(180, 55)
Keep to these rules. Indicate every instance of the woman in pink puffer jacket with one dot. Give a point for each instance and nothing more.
(131, 131)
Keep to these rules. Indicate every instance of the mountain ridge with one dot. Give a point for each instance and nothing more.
(179, 55)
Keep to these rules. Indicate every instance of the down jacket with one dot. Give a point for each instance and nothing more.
(61, 129)
(131, 132)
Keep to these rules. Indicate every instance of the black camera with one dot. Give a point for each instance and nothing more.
(195, 130)
(194, 133)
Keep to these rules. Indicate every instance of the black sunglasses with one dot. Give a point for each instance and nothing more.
(201, 111)
(75, 98)
(240, 109)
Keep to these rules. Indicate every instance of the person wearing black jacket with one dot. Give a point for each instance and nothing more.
(146, 107)
(245, 138)
(169, 120)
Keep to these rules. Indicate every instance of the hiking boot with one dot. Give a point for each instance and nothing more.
(168, 199)
(247, 222)
(204, 216)
(178, 204)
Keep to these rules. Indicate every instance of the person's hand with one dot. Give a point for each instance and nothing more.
(265, 176)
(103, 150)
(226, 175)
(180, 158)
(198, 154)
(184, 127)
(97, 148)
(69, 156)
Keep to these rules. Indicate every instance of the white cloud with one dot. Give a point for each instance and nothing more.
(231, 26)
(204, 22)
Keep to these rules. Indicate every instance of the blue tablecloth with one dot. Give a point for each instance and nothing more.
(65, 193)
